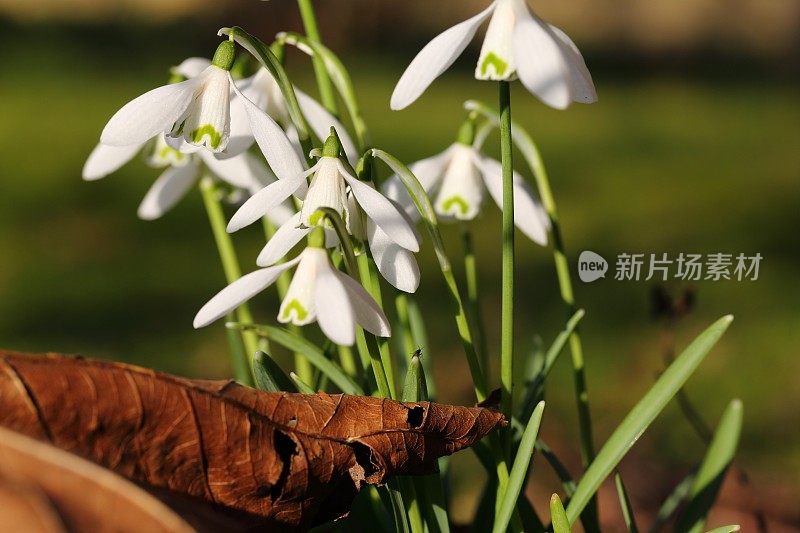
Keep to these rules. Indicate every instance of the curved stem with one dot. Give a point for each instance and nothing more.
(473, 297)
(230, 265)
(324, 84)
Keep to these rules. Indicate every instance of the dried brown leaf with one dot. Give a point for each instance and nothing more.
(291, 460)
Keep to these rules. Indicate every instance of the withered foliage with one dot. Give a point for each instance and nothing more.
(272, 459)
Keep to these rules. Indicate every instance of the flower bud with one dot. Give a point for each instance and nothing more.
(225, 55)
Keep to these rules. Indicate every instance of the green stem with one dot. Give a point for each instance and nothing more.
(302, 366)
(230, 265)
(370, 282)
(473, 297)
(326, 93)
(507, 304)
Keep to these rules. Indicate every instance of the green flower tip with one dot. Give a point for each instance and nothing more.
(225, 55)
(332, 146)
(316, 239)
(466, 134)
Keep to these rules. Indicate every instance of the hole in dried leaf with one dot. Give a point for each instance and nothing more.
(415, 416)
(364, 460)
(286, 448)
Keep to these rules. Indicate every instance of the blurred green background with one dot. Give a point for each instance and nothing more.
(693, 147)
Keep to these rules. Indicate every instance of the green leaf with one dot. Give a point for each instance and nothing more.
(309, 350)
(262, 52)
(533, 389)
(725, 529)
(712, 470)
(302, 386)
(518, 471)
(625, 503)
(671, 503)
(414, 383)
(643, 414)
(558, 516)
(269, 376)
(344, 239)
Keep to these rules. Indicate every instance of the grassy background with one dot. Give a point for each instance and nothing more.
(665, 162)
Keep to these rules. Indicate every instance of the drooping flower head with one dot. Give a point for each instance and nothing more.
(367, 213)
(317, 293)
(518, 44)
(457, 179)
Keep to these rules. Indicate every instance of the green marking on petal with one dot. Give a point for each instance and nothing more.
(166, 151)
(300, 312)
(214, 136)
(458, 202)
(493, 60)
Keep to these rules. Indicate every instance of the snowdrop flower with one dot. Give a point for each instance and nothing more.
(517, 44)
(390, 234)
(245, 172)
(197, 110)
(456, 180)
(317, 292)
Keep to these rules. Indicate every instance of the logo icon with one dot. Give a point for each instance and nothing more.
(591, 266)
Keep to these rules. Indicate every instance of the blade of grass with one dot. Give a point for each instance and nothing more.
(673, 501)
(518, 471)
(712, 470)
(643, 414)
(725, 529)
(625, 504)
(312, 352)
(268, 375)
(558, 516)
(302, 386)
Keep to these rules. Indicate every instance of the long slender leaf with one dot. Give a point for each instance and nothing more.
(312, 352)
(518, 471)
(269, 376)
(558, 516)
(673, 501)
(302, 386)
(643, 414)
(712, 470)
(625, 504)
(725, 529)
(533, 389)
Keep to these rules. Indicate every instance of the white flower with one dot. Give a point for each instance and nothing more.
(456, 180)
(517, 44)
(318, 292)
(390, 234)
(244, 171)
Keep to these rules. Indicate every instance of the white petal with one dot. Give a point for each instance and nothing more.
(335, 312)
(192, 67)
(541, 65)
(327, 189)
(461, 193)
(239, 292)
(165, 154)
(273, 142)
(428, 172)
(168, 189)
(299, 306)
(385, 214)
(241, 137)
(287, 236)
(368, 313)
(529, 216)
(207, 121)
(435, 58)
(153, 112)
(397, 265)
(321, 122)
(497, 61)
(267, 198)
(106, 159)
(241, 171)
(583, 90)
(180, 144)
